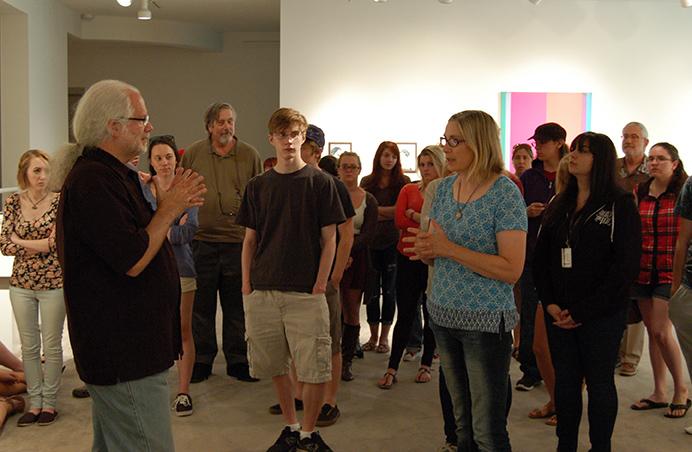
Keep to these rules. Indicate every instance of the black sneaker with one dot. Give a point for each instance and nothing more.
(286, 442)
(200, 372)
(182, 405)
(313, 443)
(80, 393)
(241, 372)
(276, 409)
(328, 416)
(527, 383)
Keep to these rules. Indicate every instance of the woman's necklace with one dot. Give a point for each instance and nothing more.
(34, 205)
(459, 211)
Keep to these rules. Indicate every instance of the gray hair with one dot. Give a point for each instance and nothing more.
(645, 132)
(102, 102)
(62, 162)
(212, 113)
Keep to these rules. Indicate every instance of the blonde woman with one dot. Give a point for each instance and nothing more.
(28, 234)
(477, 239)
(412, 276)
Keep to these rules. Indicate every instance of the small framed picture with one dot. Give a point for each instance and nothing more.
(409, 154)
(336, 149)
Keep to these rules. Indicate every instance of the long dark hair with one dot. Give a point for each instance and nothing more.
(169, 141)
(396, 177)
(603, 188)
(679, 175)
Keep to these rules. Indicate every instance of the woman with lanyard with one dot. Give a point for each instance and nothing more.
(588, 253)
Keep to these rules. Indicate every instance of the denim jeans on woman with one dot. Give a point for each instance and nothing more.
(49, 306)
(476, 369)
(587, 352)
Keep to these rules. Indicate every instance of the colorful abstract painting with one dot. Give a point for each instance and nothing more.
(521, 113)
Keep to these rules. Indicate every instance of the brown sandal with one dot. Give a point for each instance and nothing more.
(552, 421)
(541, 413)
(424, 375)
(369, 346)
(382, 384)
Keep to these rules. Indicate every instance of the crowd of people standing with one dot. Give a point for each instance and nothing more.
(564, 255)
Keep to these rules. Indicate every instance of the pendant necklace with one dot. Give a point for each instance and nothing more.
(459, 211)
(34, 205)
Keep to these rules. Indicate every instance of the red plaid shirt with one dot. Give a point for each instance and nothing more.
(660, 228)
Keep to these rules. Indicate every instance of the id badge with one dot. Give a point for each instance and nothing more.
(566, 257)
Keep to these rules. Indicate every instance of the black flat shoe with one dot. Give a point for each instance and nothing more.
(200, 372)
(47, 417)
(241, 372)
(27, 419)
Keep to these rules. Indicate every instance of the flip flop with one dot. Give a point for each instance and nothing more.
(678, 406)
(369, 346)
(541, 413)
(382, 348)
(386, 385)
(648, 404)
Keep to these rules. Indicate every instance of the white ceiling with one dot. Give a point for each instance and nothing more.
(225, 15)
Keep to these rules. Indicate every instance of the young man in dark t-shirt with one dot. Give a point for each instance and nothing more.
(290, 213)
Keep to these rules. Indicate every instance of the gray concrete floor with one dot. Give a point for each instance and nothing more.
(232, 416)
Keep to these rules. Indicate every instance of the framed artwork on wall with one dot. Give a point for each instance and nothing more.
(336, 149)
(408, 152)
(521, 113)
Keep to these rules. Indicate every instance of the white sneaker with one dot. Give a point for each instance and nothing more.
(412, 356)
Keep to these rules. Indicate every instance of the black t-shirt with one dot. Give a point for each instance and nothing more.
(288, 211)
(122, 328)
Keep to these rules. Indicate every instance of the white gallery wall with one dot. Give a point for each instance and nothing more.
(178, 83)
(366, 72)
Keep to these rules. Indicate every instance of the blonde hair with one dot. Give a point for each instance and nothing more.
(482, 136)
(23, 167)
(437, 155)
(562, 175)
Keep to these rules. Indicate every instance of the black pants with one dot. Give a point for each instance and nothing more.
(411, 280)
(382, 276)
(586, 352)
(218, 271)
(529, 302)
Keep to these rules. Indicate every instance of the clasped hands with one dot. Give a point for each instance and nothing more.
(562, 317)
(427, 245)
(186, 190)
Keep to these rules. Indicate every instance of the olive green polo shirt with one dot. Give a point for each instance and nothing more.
(225, 177)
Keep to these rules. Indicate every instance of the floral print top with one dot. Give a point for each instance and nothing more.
(39, 271)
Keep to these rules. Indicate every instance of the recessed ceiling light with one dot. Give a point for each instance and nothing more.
(124, 3)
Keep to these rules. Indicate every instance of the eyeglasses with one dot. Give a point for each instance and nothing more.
(634, 136)
(658, 158)
(451, 142)
(290, 136)
(144, 120)
(349, 167)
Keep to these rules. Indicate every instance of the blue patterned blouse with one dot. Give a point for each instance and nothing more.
(462, 299)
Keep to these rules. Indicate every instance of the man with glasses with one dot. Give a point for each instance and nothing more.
(291, 213)
(631, 170)
(227, 165)
(122, 290)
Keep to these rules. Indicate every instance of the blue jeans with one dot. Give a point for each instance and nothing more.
(382, 276)
(586, 353)
(476, 369)
(133, 415)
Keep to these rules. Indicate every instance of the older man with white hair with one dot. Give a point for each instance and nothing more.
(121, 282)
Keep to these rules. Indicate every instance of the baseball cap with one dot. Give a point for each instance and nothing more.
(316, 135)
(549, 131)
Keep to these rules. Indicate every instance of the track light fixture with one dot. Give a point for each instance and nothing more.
(144, 13)
(124, 3)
